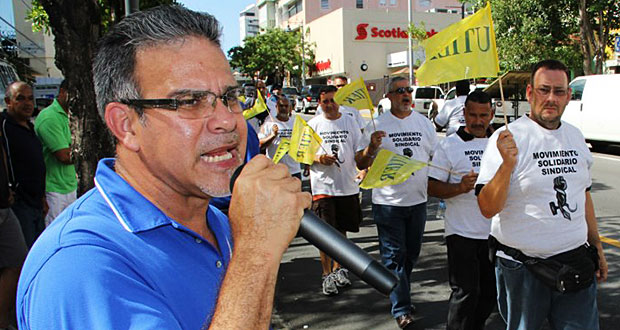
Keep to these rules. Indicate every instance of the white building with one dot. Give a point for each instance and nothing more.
(36, 47)
(248, 23)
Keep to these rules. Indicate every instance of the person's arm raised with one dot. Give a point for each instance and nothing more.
(493, 195)
(265, 211)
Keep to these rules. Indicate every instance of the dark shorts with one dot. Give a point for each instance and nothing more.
(13, 248)
(341, 212)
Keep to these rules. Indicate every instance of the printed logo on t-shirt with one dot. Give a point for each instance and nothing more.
(285, 132)
(556, 161)
(406, 139)
(474, 156)
(335, 148)
(560, 185)
(334, 136)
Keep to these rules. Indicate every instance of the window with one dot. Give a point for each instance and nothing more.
(324, 4)
(359, 4)
(393, 3)
(294, 8)
(577, 89)
(382, 3)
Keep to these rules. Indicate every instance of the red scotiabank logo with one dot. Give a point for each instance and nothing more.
(375, 32)
(361, 31)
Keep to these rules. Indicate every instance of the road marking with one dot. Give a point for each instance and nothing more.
(607, 157)
(610, 241)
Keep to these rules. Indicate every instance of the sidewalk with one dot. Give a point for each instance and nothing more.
(299, 303)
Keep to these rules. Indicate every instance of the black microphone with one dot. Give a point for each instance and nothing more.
(339, 248)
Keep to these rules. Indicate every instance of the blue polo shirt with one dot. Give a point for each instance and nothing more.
(113, 260)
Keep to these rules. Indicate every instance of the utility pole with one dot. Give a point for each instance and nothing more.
(303, 58)
(131, 6)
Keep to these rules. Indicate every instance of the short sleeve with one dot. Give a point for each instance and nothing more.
(442, 116)
(491, 160)
(50, 132)
(440, 159)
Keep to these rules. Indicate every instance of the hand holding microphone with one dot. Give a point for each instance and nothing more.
(339, 248)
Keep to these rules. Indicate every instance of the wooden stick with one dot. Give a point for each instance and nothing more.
(501, 93)
(445, 169)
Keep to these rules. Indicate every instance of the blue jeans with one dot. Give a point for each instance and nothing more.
(400, 230)
(31, 220)
(525, 302)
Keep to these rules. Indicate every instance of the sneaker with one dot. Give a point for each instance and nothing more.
(342, 277)
(329, 284)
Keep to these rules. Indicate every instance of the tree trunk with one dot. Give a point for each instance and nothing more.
(76, 25)
(586, 41)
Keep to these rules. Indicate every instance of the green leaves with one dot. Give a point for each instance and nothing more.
(272, 53)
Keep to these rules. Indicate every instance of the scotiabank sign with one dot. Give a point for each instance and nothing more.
(369, 32)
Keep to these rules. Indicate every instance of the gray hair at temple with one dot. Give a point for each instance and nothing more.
(115, 60)
(393, 82)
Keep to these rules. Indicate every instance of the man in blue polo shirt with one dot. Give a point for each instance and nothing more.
(143, 249)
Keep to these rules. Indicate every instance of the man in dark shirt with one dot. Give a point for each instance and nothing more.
(25, 160)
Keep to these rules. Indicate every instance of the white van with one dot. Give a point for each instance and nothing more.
(595, 108)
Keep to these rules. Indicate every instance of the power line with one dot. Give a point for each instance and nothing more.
(18, 31)
(26, 5)
(38, 58)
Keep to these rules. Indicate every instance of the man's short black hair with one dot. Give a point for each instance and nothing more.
(327, 89)
(549, 65)
(478, 97)
(276, 87)
(342, 78)
(462, 87)
(64, 84)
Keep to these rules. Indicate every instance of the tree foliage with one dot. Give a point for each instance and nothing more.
(77, 25)
(271, 55)
(531, 30)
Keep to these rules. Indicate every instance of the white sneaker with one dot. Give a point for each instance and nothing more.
(329, 284)
(342, 277)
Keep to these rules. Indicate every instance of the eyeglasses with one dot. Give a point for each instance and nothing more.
(340, 86)
(192, 105)
(403, 90)
(544, 91)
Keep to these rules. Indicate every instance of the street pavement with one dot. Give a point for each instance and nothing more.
(299, 303)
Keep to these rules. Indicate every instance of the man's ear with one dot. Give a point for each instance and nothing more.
(528, 93)
(121, 120)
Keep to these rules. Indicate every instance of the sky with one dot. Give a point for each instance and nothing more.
(226, 11)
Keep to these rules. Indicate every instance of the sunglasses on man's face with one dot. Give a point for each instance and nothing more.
(403, 90)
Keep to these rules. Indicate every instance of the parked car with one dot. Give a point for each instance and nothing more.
(594, 108)
(424, 98)
(291, 94)
(452, 94)
(309, 98)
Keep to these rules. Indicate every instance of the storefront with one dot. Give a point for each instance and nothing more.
(371, 44)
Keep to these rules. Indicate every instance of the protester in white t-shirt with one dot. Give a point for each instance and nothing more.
(470, 272)
(534, 182)
(451, 116)
(272, 132)
(339, 82)
(332, 176)
(400, 210)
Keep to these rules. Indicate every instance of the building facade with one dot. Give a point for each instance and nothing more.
(36, 47)
(248, 23)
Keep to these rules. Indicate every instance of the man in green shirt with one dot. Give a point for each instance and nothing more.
(52, 128)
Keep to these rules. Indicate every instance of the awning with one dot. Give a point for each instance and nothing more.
(513, 82)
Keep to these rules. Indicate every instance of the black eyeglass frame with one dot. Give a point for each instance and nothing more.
(231, 94)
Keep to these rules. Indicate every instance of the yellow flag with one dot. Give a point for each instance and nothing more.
(304, 142)
(258, 107)
(354, 95)
(463, 50)
(390, 169)
(282, 150)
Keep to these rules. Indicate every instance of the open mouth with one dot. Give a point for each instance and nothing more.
(219, 155)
